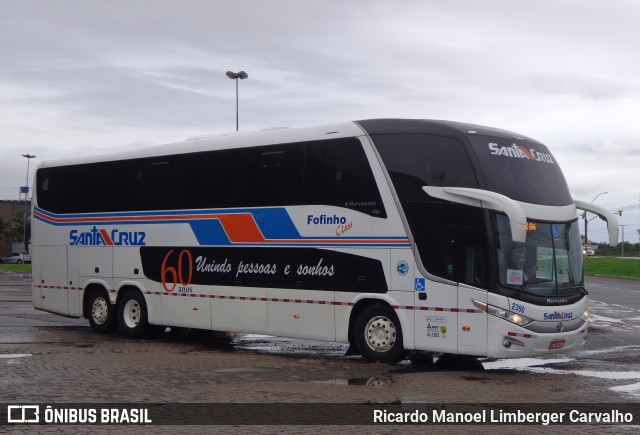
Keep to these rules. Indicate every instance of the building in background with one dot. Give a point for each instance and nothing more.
(12, 226)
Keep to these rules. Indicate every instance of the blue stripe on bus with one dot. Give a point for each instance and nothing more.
(275, 224)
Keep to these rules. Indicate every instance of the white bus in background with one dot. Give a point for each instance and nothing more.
(392, 235)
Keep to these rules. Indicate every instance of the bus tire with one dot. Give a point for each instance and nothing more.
(100, 312)
(378, 334)
(132, 313)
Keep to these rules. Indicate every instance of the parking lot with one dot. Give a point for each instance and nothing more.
(46, 358)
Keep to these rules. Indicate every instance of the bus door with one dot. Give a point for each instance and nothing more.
(436, 295)
(446, 318)
(472, 285)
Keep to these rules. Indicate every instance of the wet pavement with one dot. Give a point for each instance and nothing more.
(49, 358)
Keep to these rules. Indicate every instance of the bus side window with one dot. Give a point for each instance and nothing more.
(116, 189)
(214, 179)
(454, 253)
(271, 160)
(159, 183)
(272, 175)
(82, 184)
(473, 265)
(438, 246)
(451, 240)
(337, 172)
(51, 185)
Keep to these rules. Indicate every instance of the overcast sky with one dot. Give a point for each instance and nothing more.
(80, 77)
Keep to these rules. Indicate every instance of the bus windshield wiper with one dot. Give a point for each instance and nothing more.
(520, 290)
(583, 290)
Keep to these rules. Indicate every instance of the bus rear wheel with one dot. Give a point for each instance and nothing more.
(100, 312)
(378, 335)
(132, 313)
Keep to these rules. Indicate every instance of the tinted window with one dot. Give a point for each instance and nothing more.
(331, 172)
(213, 179)
(272, 175)
(416, 160)
(451, 240)
(338, 173)
(116, 190)
(50, 188)
(522, 170)
(160, 183)
(88, 188)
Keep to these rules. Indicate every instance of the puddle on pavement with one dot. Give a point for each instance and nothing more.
(419, 363)
(77, 344)
(522, 363)
(14, 355)
(375, 382)
(539, 365)
(288, 346)
(422, 362)
(474, 378)
(244, 370)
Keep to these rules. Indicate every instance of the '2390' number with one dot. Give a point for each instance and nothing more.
(172, 275)
(517, 308)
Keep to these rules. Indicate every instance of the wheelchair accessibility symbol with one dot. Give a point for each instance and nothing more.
(421, 285)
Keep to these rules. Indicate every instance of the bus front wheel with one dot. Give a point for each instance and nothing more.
(133, 316)
(378, 335)
(100, 312)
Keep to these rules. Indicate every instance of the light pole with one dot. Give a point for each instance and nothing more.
(586, 221)
(622, 226)
(235, 76)
(25, 190)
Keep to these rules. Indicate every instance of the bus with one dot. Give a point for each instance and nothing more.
(390, 235)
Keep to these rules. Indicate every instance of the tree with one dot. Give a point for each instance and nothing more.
(3, 229)
(19, 232)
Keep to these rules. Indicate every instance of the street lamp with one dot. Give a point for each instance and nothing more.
(25, 190)
(235, 76)
(586, 221)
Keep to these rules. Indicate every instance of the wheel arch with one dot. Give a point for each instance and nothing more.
(153, 311)
(90, 288)
(127, 288)
(405, 320)
(133, 313)
(105, 322)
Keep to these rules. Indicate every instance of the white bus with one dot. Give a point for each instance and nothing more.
(392, 235)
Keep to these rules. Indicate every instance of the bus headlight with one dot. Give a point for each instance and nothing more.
(511, 316)
(584, 316)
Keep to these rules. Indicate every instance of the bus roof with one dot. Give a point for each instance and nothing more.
(437, 127)
(221, 141)
(270, 137)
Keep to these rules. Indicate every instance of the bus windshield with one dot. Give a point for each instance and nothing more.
(532, 176)
(549, 263)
